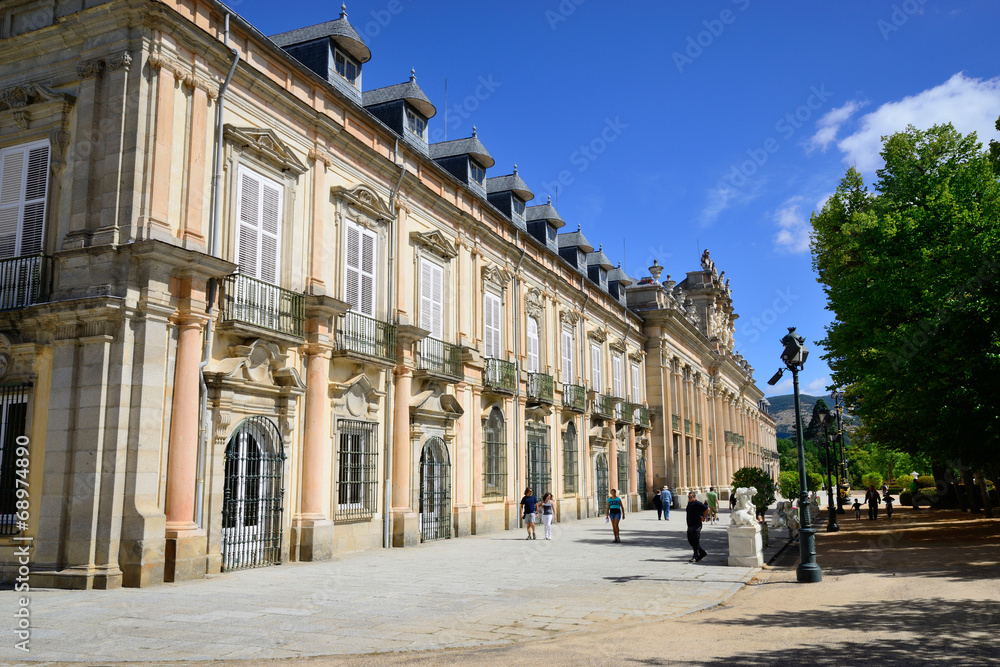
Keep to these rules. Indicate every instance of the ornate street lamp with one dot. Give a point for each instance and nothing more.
(828, 419)
(794, 356)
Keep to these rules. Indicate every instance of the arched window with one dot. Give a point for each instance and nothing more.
(494, 456)
(570, 459)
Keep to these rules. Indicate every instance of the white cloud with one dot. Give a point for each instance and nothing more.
(780, 389)
(817, 387)
(967, 103)
(724, 196)
(793, 228)
(829, 124)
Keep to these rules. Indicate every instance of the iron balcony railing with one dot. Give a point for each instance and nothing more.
(604, 406)
(25, 281)
(675, 422)
(500, 375)
(261, 304)
(642, 416)
(366, 335)
(623, 412)
(440, 357)
(540, 387)
(733, 438)
(574, 397)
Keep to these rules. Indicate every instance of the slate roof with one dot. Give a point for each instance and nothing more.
(618, 274)
(339, 29)
(546, 212)
(409, 91)
(468, 146)
(576, 238)
(510, 183)
(599, 258)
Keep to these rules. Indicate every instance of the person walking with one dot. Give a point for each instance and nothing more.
(872, 498)
(616, 512)
(528, 504)
(732, 499)
(666, 499)
(548, 513)
(697, 512)
(713, 504)
(658, 504)
(888, 500)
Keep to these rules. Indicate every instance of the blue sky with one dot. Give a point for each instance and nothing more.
(664, 128)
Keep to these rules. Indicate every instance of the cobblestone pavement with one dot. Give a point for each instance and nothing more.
(489, 589)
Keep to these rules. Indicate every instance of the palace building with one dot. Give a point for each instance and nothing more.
(248, 314)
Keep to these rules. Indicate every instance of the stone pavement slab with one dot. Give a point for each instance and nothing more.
(480, 590)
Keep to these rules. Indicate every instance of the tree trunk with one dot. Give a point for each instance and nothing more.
(970, 492)
(986, 496)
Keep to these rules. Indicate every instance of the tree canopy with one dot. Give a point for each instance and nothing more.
(911, 273)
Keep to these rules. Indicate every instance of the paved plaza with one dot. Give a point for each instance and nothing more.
(482, 590)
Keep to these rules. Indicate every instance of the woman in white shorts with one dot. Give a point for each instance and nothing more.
(548, 513)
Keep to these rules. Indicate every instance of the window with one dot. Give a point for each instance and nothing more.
(595, 367)
(494, 456)
(636, 384)
(346, 66)
(24, 178)
(359, 269)
(567, 357)
(570, 459)
(538, 464)
(551, 232)
(492, 325)
(258, 230)
(603, 277)
(415, 124)
(623, 472)
(533, 346)
(432, 298)
(476, 173)
(13, 452)
(518, 207)
(617, 379)
(357, 472)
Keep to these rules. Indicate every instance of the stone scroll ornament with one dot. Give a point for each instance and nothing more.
(745, 513)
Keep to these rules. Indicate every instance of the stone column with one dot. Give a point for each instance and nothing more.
(404, 518)
(314, 527)
(633, 474)
(479, 517)
(186, 544)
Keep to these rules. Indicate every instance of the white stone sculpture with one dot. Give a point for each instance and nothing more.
(779, 519)
(745, 513)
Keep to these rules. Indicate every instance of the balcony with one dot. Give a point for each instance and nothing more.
(734, 439)
(540, 388)
(366, 337)
(675, 422)
(574, 397)
(25, 281)
(623, 412)
(604, 406)
(641, 416)
(440, 359)
(500, 376)
(262, 305)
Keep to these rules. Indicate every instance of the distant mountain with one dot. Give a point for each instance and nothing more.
(783, 410)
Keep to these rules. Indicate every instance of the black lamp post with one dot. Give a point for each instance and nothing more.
(828, 420)
(794, 356)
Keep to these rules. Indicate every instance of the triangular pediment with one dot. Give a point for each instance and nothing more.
(363, 202)
(435, 242)
(266, 145)
(497, 275)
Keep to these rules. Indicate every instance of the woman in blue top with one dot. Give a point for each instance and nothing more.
(615, 512)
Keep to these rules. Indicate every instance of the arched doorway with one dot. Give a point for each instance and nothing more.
(252, 499)
(435, 491)
(601, 482)
(640, 468)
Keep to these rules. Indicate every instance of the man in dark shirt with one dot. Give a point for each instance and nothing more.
(696, 513)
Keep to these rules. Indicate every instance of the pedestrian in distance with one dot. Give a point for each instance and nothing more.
(888, 500)
(528, 506)
(658, 504)
(616, 512)
(713, 504)
(697, 512)
(872, 499)
(857, 509)
(666, 499)
(732, 499)
(548, 513)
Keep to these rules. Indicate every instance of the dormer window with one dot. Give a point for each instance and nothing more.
(518, 207)
(346, 66)
(550, 232)
(581, 259)
(476, 173)
(604, 277)
(415, 124)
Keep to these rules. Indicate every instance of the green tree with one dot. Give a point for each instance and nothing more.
(788, 483)
(814, 431)
(911, 273)
(757, 478)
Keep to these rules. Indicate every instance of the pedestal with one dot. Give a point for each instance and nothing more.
(184, 557)
(405, 529)
(745, 546)
(314, 539)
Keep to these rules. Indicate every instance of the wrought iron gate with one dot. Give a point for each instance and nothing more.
(539, 465)
(14, 455)
(640, 467)
(601, 481)
(253, 496)
(435, 491)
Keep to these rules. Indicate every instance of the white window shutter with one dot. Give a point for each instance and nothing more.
(270, 228)
(367, 301)
(616, 376)
(595, 367)
(432, 298)
(258, 232)
(352, 267)
(23, 191)
(533, 361)
(248, 229)
(636, 384)
(567, 357)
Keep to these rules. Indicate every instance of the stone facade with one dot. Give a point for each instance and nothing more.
(331, 343)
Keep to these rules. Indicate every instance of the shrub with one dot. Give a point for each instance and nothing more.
(905, 497)
(926, 481)
(872, 479)
(760, 480)
(788, 483)
(895, 490)
(928, 492)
